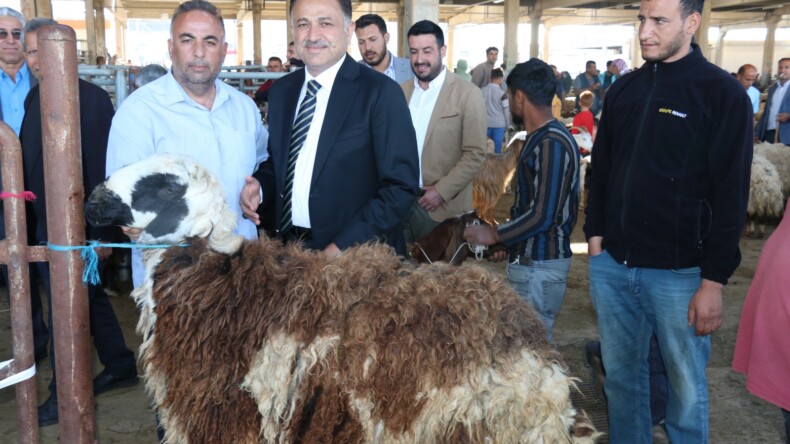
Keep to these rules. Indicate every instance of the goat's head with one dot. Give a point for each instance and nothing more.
(169, 198)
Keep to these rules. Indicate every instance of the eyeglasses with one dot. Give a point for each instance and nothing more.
(15, 33)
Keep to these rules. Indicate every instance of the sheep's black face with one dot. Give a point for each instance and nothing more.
(168, 197)
(105, 208)
(161, 194)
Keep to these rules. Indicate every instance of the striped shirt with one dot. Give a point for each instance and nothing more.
(547, 199)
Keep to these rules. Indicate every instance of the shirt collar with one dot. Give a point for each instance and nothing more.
(173, 92)
(326, 78)
(22, 74)
(435, 83)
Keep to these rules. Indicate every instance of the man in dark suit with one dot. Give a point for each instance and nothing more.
(353, 152)
(96, 111)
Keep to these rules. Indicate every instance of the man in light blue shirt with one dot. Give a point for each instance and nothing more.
(747, 75)
(15, 79)
(189, 111)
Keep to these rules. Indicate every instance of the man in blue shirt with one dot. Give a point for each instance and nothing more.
(190, 111)
(547, 198)
(372, 37)
(15, 80)
(588, 81)
(747, 75)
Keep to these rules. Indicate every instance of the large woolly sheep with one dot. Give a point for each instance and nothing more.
(258, 342)
(769, 187)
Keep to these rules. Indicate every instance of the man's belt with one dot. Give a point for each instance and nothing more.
(299, 234)
(519, 259)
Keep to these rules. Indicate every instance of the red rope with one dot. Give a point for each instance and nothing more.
(27, 195)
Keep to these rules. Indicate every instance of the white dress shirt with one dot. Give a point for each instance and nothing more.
(421, 107)
(776, 103)
(303, 172)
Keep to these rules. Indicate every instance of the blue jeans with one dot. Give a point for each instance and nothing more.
(497, 135)
(633, 304)
(541, 285)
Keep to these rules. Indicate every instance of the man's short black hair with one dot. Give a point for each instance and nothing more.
(688, 7)
(535, 79)
(609, 63)
(276, 59)
(497, 73)
(427, 27)
(492, 48)
(196, 5)
(372, 19)
(589, 62)
(783, 59)
(345, 7)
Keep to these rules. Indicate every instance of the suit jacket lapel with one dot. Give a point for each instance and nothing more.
(289, 114)
(438, 109)
(32, 158)
(340, 100)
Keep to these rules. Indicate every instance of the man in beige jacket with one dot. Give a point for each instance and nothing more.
(450, 120)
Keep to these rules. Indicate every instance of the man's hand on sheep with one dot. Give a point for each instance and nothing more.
(131, 233)
(250, 198)
(705, 308)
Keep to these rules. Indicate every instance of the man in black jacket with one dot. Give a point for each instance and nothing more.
(96, 113)
(665, 213)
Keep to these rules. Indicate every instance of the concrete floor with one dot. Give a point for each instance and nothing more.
(125, 416)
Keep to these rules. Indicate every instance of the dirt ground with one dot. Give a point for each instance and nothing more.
(125, 416)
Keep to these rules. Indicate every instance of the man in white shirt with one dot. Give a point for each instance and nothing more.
(190, 111)
(343, 167)
(450, 120)
(776, 117)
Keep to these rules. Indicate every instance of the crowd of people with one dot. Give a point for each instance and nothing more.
(385, 148)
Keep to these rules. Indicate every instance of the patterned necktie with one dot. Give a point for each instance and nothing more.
(298, 136)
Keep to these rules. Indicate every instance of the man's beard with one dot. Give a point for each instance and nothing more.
(432, 74)
(675, 46)
(377, 61)
(517, 120)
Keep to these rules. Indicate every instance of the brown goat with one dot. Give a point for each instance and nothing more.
(446, 243)
(493, 178)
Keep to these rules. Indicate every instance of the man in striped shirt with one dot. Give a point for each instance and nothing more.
(544, 213)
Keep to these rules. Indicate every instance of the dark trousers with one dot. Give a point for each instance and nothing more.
(786, 415)
(769, 136)
(40, 330)
(107, 335)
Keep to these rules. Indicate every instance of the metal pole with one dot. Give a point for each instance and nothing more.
(13, 253)
(121, 82)
(60, 123)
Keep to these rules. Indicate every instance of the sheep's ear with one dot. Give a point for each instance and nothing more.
(168, 220)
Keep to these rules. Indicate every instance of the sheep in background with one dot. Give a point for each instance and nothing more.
(249, 342)
(769, 187)
(494, 176)
(779, 155)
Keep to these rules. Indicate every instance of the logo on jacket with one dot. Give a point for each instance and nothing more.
(673, 112)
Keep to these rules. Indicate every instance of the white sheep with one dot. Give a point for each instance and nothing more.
(769, 186)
